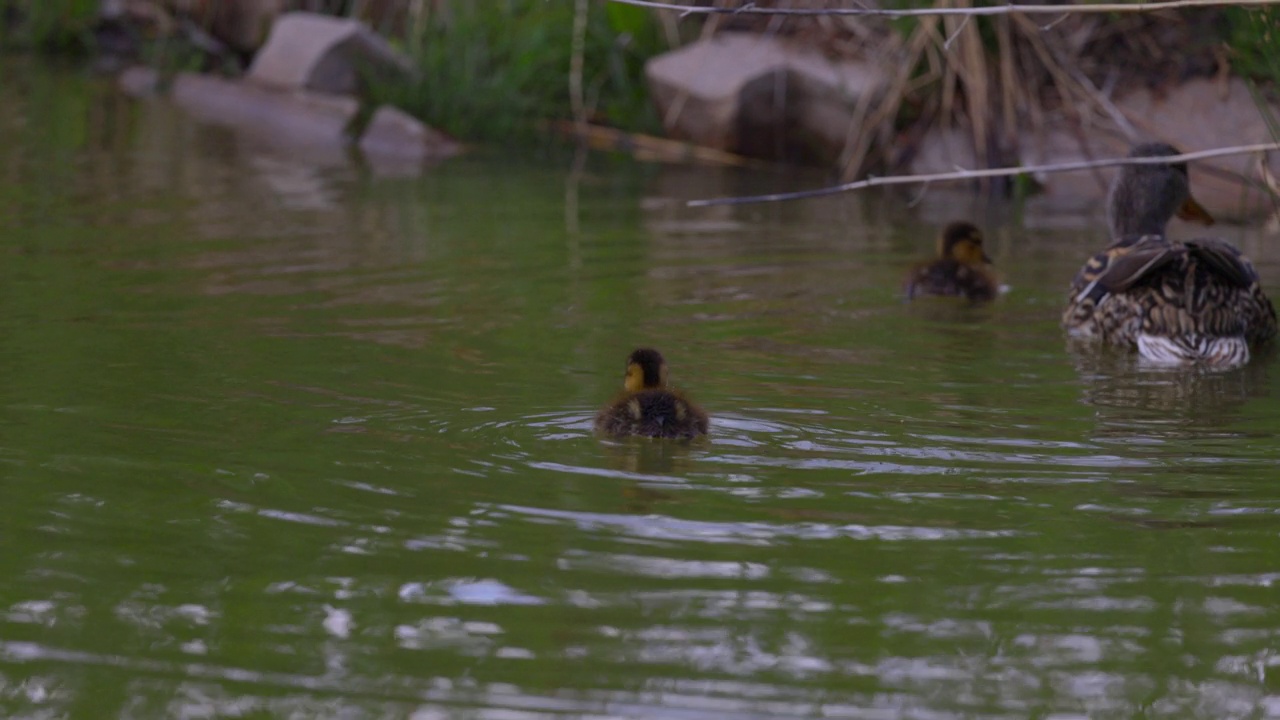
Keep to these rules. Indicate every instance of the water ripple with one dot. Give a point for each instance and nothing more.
(657, 527)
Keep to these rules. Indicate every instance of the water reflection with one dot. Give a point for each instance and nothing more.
(640, 457)
(1128, 395)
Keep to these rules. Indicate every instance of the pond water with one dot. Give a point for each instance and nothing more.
(284, 436)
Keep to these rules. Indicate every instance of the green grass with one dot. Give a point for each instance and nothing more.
(490, 71)
(1254, 37)
(56, 26)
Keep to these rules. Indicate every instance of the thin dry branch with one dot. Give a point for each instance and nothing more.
(990, 173)
(750, 8)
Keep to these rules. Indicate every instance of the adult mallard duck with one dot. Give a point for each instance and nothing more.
(962, 268)
(1197, 301)
(647, 406)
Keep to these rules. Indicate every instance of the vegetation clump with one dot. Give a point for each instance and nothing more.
(501, 70)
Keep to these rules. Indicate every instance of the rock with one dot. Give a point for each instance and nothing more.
(396, 136)
(1198, 115)
(753, 94)
(306, 51)
(826, 93)
(1060, 142)
(1202, 114)
(296, 119)
(943, 149)
(139, 81)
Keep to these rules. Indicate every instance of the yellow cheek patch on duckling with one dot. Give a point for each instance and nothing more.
(968, 252)
(634, 380)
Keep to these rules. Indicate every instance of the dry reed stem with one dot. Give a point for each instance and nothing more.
(855, 154)
(970, 63)
(1073, 95)
(647, 147)
(1008, 83)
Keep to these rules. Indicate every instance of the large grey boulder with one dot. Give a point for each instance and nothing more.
(306, 51)
(752, 94)
(1200, 114)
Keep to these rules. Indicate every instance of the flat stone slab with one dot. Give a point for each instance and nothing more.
(742, 93)
(307, 51)
(289, 118)
(315, 124)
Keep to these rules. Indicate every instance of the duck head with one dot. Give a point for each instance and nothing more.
(646, 370)
(962, 242)
(1144, 198)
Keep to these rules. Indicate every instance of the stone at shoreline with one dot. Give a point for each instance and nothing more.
(1200, 114)
(318, 125)
(943, 149)
(296, 119)
(307, 51)
(139, 81)
(753, 94)
(1203, 114)
(395, 136)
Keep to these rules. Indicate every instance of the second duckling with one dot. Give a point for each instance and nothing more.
(961, 269)
(648, 406)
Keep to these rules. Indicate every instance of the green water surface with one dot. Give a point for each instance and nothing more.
(288, 436)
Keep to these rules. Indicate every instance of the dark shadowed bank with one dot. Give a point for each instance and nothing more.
(857, 94)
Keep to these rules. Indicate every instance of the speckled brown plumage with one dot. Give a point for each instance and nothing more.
(1187, 292)
(1193, 301)
(962, 268)
(647, 406)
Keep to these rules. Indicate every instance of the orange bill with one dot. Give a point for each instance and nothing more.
(1193, 211)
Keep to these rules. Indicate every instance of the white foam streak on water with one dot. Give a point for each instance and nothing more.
(668, 528)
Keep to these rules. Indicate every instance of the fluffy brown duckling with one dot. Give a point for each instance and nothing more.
(648, 406)
(1197, 301)
(961, 269)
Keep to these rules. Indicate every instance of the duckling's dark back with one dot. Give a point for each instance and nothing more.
(652, 413)
(948, 277)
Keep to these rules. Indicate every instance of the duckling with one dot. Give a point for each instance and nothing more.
(647, 406)
(1197, 301)
(962, 267)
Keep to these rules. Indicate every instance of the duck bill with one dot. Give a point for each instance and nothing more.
(1193, 211)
